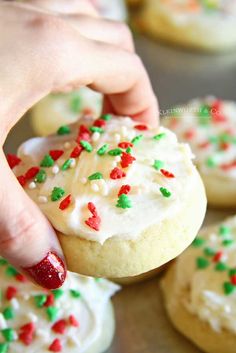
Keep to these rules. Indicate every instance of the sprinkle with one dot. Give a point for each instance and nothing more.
(129, 150)
(56, 154)
(8, 313)
(93, 222)
(22, 180)
(41, 176)
(11, 292)
(73, 321)
(8, 334)
(52, 313)
(115, 152)
(190, 134)
(209, 251)
(158, 164)
(117, 173)
(95, 136)
(56, 346)
(102, 150)
(95, 187)
(59, 326)
(211, 162)
(125, 189)
(3, 262)
(57, 194)
(125, 145)
(75, 293)
(26, 333)
(31, 173)
(233, 280)
(167, 174)
(21, 278)
(227, 242)
(224, 230)
(165, 192)
(40, 300)
(232, 272)
(50, 300)
(141, 127)
(92, 208)
(65, 203)
(83, 180)
(11, 271)
(229, 288)
(4, 347)
(136, 139)
(32, 185)
(58, 293)
(95, 176)
(42, 199)
(126, 159)
(75, 104)
(106, 117)
(218, 256)
(160, 136)
(96, 129)
(47, 161)
(221, 266)
(55, 169)
(67, 145)
(198, 242)
(13, 160)
(124, 202)
(76, 152)
(86, 145)
(83, 134)
(64, 130)
(67, 164)
(202, 263)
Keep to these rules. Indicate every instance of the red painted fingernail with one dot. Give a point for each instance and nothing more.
(49, 273)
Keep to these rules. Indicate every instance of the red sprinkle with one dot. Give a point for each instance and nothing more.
(26, 333)
(31, 173)
(228, 166)
(233, 279)
(11, 292)
(125, 189)
(13, 160)
(141, 127)
(22, 180)
(167, 174)
(88, 111)
(76, 151)
(21, 278)
(204, 144)
(125, 144)
(59, 326)
(117, 173)
(73, 321)
(126, 160)
(84, 134)
(50, 300)
(190, 134)
(99, 123)
(92, 209)
(218, 256)
(56, 346)
(93, 222)
(56, 154)
(65, 203)
(225, 146)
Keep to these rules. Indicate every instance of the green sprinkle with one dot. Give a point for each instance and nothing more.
(8, 334)
(67, 164)
(106, 117)
(115, 152)
(204, 111)
(227, 242)
(40, 300)
(165, 192)
(209, 252)
(229, 288)
(102, 150)
(57, 293)
(198, 242)
(232, 272)
(41, 176)
(75, 293)
(96, 129)
(136, 139)
(224, 137)
(211, 162)
(160, 136)
(224, 230)
(57, 194)
(221, 266)
(75, 104)
(98, 279)
(52, 313)
(95, 176)
(8, 313)
(3, 262)
(213, 139)
(11, 271)
(47, 161)
(158, 164)
(64, 130)
(202, 263)
(86, 145)
(129, 150)
(124, 202)
(4, 347)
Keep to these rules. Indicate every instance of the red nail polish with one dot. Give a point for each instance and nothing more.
(49, 273)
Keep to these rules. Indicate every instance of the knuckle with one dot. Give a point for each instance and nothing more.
(125, 34)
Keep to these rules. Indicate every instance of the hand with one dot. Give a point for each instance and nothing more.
(45, 50)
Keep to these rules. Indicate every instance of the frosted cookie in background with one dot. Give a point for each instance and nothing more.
(78, 317)
(200, 289)
(124, 199)
(208, 25)
(209, 126)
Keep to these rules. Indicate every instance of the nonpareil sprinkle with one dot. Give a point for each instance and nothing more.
(57, 194)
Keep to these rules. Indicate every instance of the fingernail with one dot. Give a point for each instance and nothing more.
(49, 273)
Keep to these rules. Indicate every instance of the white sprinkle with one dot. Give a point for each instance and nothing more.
(227, 308)
(124, 131)
(95, 136)
(95, 187)
(42, 333)
(3, 323)
(151, 161)
(43, 199)
(32, 317)
(117, 159)
(55, 169)
(213, 238)
(72, 163)
(26, 296)
(117, 137)
(15, 303)
(67, 145)
(83, 180)
(113, 164)
(32, 185)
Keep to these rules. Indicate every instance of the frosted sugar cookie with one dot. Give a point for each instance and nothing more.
(124, 199)
(207, 25)
(200, 289)
(78, 317)
(209, 126)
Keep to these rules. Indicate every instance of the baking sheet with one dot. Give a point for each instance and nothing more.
(142, 325)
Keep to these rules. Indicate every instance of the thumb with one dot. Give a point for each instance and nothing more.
(27, 240)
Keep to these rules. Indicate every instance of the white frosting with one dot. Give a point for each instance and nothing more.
(89, 311)
(206, 297)
(111, 9)
(149, 206)
(188, 121)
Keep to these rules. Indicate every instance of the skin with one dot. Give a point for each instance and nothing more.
(52, 46)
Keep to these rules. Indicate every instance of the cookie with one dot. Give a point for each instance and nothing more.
(200, 289)
(209, 126)
(78, 317)
(123, 198)
(208, 25)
